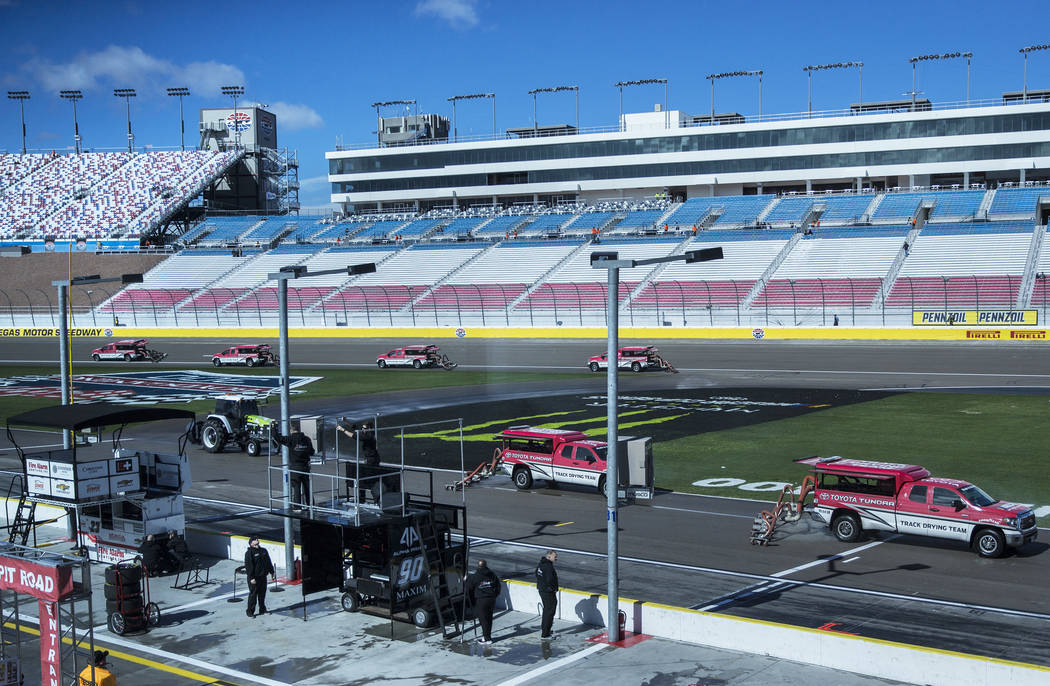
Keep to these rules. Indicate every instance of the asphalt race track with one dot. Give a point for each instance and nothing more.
(689, 550)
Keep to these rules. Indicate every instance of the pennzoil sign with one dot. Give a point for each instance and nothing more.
(975, 317)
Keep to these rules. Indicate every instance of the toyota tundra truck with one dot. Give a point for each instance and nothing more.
(853, 496)
(571, 457)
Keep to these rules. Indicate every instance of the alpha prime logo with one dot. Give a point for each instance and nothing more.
(238, 122)
(149, 388)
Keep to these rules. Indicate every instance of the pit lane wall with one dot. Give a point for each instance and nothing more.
(873, 657)
(836, 650)
(919, 333)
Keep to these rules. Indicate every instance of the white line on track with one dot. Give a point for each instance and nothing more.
(706, 512)
(550, 666)
(817, 563)
(851, 559)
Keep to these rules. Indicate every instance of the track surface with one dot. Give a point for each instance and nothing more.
(690, 550)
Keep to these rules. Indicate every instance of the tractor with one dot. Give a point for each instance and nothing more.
(236, 419)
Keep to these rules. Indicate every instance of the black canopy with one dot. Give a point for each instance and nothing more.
(91, 415)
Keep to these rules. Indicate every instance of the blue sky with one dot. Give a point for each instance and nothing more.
(320, 65)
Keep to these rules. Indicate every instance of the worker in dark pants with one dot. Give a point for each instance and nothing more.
(547, 586)
(369, 468)
(300, 450)
(257, 566)
(483, 588)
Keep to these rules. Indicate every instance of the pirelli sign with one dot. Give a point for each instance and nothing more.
(975, 317)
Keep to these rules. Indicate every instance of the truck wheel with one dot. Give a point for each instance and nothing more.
(253, 448)
(350, 601)
(422, 617)
(523, 478)
(416, 364)
(213, 436)
(847, 527)
(216, 362)
(594, 366)
(990, 543)
(127, 357)
(96, 358)
(382, 364)
(636, 367)
(601, 485)
(250, 362)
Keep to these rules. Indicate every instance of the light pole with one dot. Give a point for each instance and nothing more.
(127, 94)
(1025, 51)
(641, 82)
(73, 96)
(612, 262)
(556, 89)
(180, 93)
(968, 56)
(472, 96)
(282, 277)
(730, 74)
(21, 97)
(234, 92)
(377, 105)
(64, 362)
(836, 65)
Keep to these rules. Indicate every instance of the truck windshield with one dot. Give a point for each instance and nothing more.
(977, 497)
(601, 451)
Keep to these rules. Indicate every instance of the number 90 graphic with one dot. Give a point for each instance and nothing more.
(411, 570)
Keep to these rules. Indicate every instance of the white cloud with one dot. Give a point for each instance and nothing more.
(130, 66)
(293, 117)
(459, 14)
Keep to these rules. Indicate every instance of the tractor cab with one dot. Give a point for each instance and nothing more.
(237, 408)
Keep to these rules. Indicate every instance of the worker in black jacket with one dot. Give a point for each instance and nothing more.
(547, 586)
(300, 450)
(257, 566)
(483, 588)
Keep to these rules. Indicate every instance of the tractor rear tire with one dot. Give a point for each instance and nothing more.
(213, 436)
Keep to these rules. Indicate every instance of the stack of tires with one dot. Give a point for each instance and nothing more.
(126, 607)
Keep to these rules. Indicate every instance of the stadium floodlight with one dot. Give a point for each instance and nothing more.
(73, 96)
(968, 56)
(1025, 51)
(377, 105)
(472, 96)
(180, 93)
(21, 97)
(834, 65)
(127, 94)
(612, 262)
(730, 74)
(234, 92)
(555, 89)
(642, 82)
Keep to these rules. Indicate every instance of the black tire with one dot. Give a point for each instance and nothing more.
(422, 617)
(130, 605)
(129, 575)
(636, 367)
(127, 357)
(847, 527)
(152, 614)
(989, 543)
(113, 592)
(250, 362)
(601, 485)
(117, 623)
(350, 601)
(253, 448)
(216, 362)
(96, 358)
(382, 364)
(522, 478)
(416, 364)
(213, 436)
(594, 366)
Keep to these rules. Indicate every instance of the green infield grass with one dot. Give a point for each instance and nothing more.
(998, 442)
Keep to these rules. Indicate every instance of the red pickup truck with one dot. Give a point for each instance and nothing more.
(557, 455)
(852, 496)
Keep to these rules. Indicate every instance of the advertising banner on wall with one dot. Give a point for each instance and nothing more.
(975, 317)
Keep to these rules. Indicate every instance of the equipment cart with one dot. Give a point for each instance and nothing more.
(128, 604)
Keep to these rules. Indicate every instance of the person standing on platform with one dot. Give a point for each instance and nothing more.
(257, 566)
(483, 587)
(547, 586)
